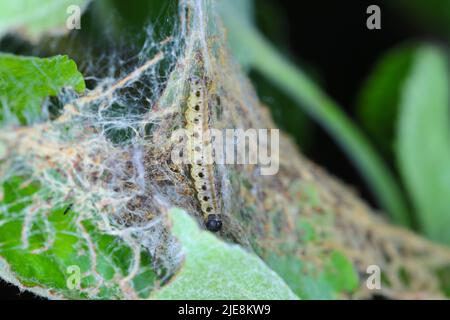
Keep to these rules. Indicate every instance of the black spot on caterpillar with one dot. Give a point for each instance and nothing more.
(200, 150)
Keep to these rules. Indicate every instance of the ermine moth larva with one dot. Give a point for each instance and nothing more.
(200, 153)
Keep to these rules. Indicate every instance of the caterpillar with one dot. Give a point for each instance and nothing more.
(199, 147)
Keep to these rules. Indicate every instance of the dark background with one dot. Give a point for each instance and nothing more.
(329, 39)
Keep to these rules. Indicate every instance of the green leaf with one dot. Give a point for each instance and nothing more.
(423, 148)
(380, 96)
(296, 84)
(213, 269)
(243, 10)
(33, 18)
(337, 276)
(40, 249)
(25, 82)
(340, 273)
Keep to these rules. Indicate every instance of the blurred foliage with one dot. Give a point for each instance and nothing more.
(379, 98)
(423, 141)
(39, 249)
(378, 107)
(213, 269)
(33, 18)
(270, 19)
(405, 107)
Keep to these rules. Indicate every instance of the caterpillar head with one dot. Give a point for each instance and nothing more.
(214, 222)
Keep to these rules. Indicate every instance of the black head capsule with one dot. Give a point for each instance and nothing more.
(213, 222)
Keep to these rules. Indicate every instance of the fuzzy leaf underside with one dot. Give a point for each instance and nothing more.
(213, 269)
